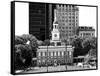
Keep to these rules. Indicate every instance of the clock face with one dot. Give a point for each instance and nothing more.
(55, 35)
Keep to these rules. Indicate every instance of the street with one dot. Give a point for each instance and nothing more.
(52, 69)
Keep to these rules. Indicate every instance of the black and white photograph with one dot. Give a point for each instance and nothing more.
(53, 37)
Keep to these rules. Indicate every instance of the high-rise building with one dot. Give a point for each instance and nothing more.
(40, 18)
(68, 20)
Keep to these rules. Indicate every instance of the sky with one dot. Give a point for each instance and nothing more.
(87, 16)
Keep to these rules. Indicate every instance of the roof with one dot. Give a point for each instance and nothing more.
(86, 28)
(55, 22)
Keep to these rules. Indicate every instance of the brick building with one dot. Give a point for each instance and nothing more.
(48, 55)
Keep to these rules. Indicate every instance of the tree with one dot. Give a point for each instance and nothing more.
(92, 42)
(93, 52)
(39, 42)
(25, 49)
(78, 50)
(46, 42)
(18, 40)
(77, 42)
(91, 45)
(32, 42)
(23, 56)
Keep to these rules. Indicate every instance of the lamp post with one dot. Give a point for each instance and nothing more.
(67, 43)
(47, 54)
(47, 57)
(66, 55)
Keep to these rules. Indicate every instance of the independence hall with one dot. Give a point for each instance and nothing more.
(57, 53)
(50, 55)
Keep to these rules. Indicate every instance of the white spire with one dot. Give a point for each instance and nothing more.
(55, 12)
(55, 17)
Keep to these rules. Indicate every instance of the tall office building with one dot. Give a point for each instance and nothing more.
(40, 18)
(68, 20)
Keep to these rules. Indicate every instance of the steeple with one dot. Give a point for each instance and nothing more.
(55, 17)
(55, 32)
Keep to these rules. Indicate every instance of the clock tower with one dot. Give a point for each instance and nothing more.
(55, 32)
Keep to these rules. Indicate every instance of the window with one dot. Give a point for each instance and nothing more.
(55, 26)
(72, 13)
(92, 34)
(69, 23)
(55, 54)
(69, 16)
(70, 53)
(62, 53)
(58, 53)
(48, 53)
(39, 53)
(51, 53)
(69, 20)
(70, 28)
(69, 34)
(65, 53)
(39, 61)
(81, 34)
(43, 53)
(58, 43)
(62, 27)
(62, 20)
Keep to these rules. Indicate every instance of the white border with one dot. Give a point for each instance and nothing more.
(5, 39)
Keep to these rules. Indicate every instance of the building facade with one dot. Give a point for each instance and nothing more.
(86, 32)
(68, 19)
(40, 19)
(49, 55)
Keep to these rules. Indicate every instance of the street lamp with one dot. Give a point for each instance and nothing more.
(66, 55)
(67, 43)
(47, 57)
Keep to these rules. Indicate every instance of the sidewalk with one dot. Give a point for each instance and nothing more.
(52, 69)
